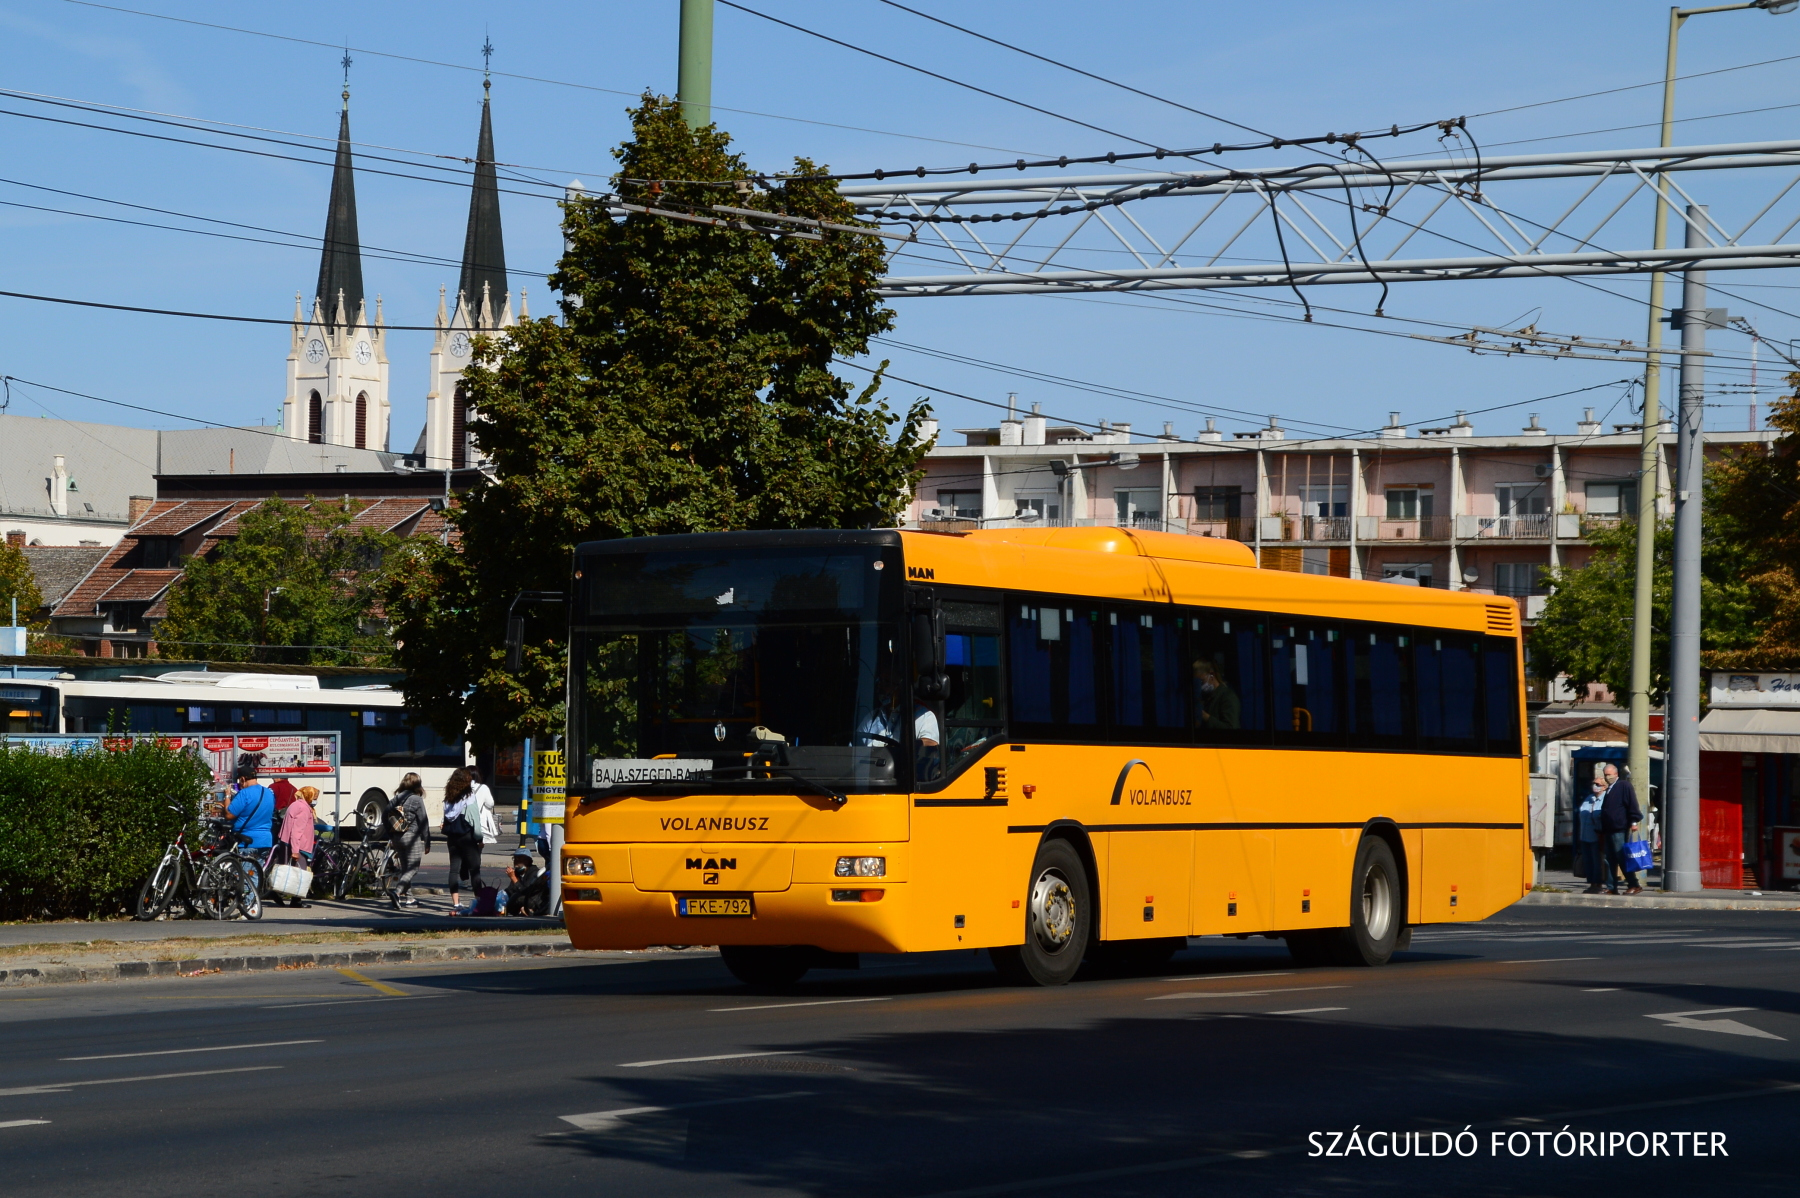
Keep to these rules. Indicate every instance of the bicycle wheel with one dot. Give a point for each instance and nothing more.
(208, 899)
(153, 898)
(249, 895)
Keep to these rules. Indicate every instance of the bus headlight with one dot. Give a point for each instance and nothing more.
(578, 866)
(862, 867)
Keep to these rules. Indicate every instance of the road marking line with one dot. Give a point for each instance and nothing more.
(381, 987)
(723, 1056)
(344, 1002)
(1731, 1027)
(24, 1122)
(59, 1087)
(1239, 993)
(823, 1002)
(607, 1120)
(1601, 990)
(170, 1052)
(1309, 1011)
(1543, 960)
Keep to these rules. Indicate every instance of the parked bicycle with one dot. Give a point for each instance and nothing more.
(213, 880)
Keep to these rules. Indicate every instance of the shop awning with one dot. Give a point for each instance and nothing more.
(1750, 730)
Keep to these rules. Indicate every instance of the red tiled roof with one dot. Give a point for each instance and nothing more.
(137, 586)
(177, 518)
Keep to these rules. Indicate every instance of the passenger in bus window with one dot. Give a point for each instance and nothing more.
(1218, 705)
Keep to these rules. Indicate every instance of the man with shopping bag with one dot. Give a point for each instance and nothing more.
(1619, 815)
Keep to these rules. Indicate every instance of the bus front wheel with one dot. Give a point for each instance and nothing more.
(1058, 921)
(767, 966)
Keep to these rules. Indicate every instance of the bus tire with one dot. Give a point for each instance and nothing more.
(371, 809)
(1376, 914)
(1058, 921)
(766, 966)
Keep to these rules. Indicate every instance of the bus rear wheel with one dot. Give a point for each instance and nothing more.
(1376, 916)
(767, 966)
(1058, 921)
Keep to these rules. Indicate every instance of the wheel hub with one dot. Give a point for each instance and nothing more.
(1377, 904)
(1052, 910)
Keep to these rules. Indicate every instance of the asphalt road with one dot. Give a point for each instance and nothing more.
(659, 1075)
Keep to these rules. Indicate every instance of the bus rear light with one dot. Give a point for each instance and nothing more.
(857, 896)
(578, 866)
(862, 867)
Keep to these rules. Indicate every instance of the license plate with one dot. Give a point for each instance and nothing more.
(714, 905)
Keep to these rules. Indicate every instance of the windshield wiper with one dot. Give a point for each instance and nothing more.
(837, 798)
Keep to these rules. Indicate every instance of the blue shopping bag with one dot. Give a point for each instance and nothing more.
(1637, 855)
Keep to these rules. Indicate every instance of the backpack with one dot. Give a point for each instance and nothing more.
(399, 821)
(487, 901)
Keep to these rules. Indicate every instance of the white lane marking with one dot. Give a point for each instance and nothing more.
(344, 1002)
(24, 1122)
(170, 1052)
(1309, 1011)
(1224, 977)
(59, 1087)
(1543, 960)
(1601, 990)
(723, 1056)
(1239, 993)
(1731, 1027)
(607, 1120)
(821, 1002)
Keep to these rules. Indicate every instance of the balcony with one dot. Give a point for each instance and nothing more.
(1534, 527)
(1422, 528)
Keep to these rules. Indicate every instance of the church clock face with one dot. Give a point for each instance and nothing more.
(315, 351)
(459, 345)
(364, 354)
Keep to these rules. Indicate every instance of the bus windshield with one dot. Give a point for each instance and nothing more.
(785, 654)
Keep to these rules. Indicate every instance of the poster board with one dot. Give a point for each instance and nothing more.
(307, 758)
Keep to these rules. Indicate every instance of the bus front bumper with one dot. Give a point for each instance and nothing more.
(617, 915)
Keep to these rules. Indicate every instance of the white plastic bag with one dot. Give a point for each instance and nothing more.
(290, 880)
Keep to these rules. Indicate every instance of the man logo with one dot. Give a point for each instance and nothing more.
(925, 572)
(712, 862)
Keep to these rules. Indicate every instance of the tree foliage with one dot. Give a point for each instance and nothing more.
(297, 584)
(1753, 500)
(17, 582)
(688, 388)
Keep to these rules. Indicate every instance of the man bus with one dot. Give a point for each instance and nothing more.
(1056, 744)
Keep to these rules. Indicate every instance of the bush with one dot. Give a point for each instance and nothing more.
(80, 832)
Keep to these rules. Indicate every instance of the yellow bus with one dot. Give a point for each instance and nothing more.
(1057, 744)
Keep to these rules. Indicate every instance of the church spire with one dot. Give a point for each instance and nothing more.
(340, 266)
(484, 254)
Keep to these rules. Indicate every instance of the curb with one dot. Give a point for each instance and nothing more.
(1664, 902)
(34, 975)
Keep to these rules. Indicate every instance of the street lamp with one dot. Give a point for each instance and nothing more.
(1649, 455)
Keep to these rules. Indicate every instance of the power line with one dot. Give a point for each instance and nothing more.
(334, 47)
(933, 74)
(1077, 70)
(1610, 91)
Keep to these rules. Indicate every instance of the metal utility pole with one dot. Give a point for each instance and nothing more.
(1681, 763)
(1649, 466)
(693, 84)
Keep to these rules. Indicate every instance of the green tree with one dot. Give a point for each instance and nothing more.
(1585, 630)
(18, 583)
(296, 577)
(1753, 500)
(688, 388)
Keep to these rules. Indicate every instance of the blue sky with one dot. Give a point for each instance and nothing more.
(1295, 68)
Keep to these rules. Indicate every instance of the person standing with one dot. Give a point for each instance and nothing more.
(410, 839)
(252, 808)
(1619, 815)
(1587, 833)
(463, 832)
(297, 835)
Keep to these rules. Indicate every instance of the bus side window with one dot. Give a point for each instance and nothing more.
(1230, 693)
(1054, 666)
(1150, 679)
(1500, 695)
(1447, 694)
(1382, 690)
(1307, 682)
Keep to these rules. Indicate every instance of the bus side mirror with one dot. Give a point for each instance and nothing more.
(929, 681)
(515, 644)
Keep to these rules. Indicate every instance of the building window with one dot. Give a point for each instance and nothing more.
(1522, 499)
(459, 428)
(1519, 578)
(1329, 501)
(963, 505)
(315, 419)
(1613, 497)
(159, 553)
(1415, 573)
(1138, 508)
(1047, 505)
(362, 420)
(1218, 503)
(1409, 503)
